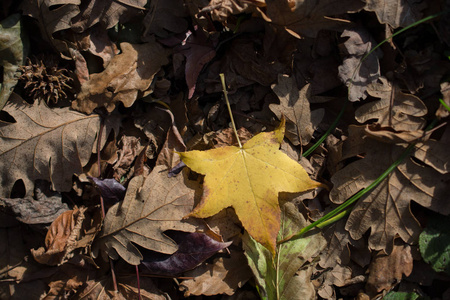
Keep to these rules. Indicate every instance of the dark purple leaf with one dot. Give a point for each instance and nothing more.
(193, 249)
(177, 169)
(111, 191)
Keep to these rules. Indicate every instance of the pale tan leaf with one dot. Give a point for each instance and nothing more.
(44, 143)
(356, 74)
(126, 77)
(294, 105)
(388, 135)
(398, 13)
(400, 111)
(223, 276)
(435, 153)
(386, 209)
(150, 207)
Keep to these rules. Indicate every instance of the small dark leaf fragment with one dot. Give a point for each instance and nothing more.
(111, 190)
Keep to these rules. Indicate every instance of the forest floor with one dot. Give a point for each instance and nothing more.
(128, 172)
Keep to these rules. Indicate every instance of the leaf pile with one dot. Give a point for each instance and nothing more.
(138, 170)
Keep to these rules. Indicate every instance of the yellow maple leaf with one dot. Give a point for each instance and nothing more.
(249, 179)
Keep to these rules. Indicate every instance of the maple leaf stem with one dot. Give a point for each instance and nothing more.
(225, 93)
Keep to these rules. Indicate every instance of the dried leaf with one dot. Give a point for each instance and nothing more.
(401, 112)
(52, 16)
(13, 50)
(435, 153)
(294, 105)
(356, 74)
(386, 209)
(150, 207)
(224, 276)
(198, 50)
(443, 112)
(61, 238)
(277, 276)
(338, 252)
(387, 270)
(126, 77)
(108, 13)
(12, 252)
(56, 144)
(45, 208)
(130, 146)
(101, 45)
(222, 9)
(174, 142)
(193, 249)
(388, 135)
(399, 13)
(165, 18)
(249, 179)
(305, 18)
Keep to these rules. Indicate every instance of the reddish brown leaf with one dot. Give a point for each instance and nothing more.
(61, 238)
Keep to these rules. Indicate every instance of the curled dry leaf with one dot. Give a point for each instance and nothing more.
(151, 206)
(356, 74)
(386, 210)
(125, 79)
(400, 111)
(294, 105)
(61, 238)
(173, 142)
(130, 146)
(52, 16)
(58, 142)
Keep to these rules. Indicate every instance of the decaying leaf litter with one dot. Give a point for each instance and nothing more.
(144, 90)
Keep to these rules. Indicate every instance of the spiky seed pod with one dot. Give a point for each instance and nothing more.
(44, 80)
